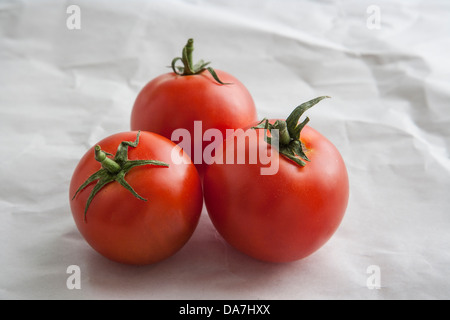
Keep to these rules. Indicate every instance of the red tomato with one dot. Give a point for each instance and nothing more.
(175, 100)
(152, 220)
(283, 216)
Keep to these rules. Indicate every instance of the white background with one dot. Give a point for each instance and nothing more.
(63, 90)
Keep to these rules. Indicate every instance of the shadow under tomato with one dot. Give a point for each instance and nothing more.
(205, 268)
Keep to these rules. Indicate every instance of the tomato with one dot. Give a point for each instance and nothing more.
(286, 214)
(177, 99)
(144, 205)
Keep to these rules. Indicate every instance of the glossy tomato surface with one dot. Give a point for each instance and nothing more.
(172, 101)
(126, 229)
(278, 217)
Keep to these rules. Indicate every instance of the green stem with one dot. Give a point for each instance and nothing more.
(187, 57)
(107, 163)
(285, 137)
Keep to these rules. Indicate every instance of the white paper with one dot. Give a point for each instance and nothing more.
(384, 64)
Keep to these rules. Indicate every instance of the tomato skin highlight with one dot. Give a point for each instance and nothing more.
(129, 230)
(282, 217)
(172, 101)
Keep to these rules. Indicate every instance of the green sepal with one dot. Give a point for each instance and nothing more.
(294, 117)
(289, 142)
(97, 175)
(103, 181)
(201, 65)
(120, 178)
(135, 163)
(292, 157)
(115, 170)
(188, 67)
(216, 77)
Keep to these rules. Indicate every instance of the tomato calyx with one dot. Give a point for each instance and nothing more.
(115, 170)
(189, 68)
(288, 140)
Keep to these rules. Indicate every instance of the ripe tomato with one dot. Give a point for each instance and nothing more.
(289, 213)
(193, 93)
(139, 212)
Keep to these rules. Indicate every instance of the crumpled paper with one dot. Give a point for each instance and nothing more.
(66, 84)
